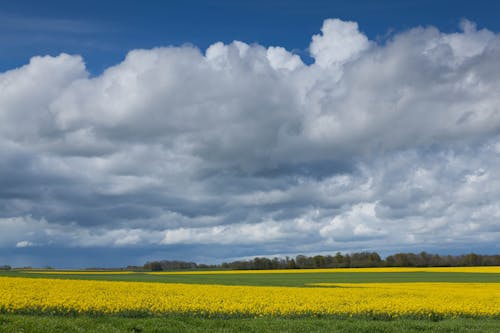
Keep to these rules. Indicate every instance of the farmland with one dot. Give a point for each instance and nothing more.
(307, 297)
(285, 278)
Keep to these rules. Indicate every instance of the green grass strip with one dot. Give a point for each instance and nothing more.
(176, 324)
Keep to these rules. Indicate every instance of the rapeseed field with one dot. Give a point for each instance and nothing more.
(388, 300)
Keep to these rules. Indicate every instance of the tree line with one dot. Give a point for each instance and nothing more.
(338, 260)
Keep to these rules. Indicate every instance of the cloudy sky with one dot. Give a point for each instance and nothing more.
(226, 131)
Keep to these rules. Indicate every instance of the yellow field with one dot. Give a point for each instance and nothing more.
(386, 299)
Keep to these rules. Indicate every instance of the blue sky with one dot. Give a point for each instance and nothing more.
(211, 131)
(104, 31)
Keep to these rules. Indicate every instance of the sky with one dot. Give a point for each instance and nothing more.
(212, 131)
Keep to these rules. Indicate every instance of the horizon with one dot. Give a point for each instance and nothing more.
(216, 131)
(231, 264)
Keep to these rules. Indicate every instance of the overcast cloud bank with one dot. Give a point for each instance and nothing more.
(384, 146)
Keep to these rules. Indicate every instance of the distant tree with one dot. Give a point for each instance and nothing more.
(365, 259)
(339, 260)
(471, 259)
(154, 266)
(318, 261)
(301, 261)
(401, 260)
(424, 259)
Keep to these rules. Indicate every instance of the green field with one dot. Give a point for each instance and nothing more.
(186, 323)
(55, 324)
(276, 279)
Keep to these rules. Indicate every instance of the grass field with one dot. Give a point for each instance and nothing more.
(176, 324)
(352, 300)
(256, 278)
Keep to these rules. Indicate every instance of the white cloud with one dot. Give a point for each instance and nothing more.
(359, 223)
(468, 44)
(230, 234)
(22, 244)
(340, 42)
(27, 92)
(371, 146)
(280, 58)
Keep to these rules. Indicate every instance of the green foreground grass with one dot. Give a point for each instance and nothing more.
(55, 324)
(277, 279)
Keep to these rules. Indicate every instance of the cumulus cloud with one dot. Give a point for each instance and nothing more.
(359, 223)
(340, 42)
(387, 146)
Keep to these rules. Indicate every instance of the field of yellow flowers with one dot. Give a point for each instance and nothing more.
(390, 300)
